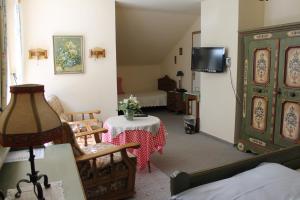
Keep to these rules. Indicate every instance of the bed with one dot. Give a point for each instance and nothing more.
(268, 176)
(154, 98)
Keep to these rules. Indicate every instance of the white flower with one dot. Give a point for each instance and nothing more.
(73, 52)
(129, 104)
(70, 45)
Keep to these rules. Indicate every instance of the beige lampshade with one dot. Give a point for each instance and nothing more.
(28, 119)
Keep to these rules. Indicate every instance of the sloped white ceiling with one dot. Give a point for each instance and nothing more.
(179, 6)
(146, 32)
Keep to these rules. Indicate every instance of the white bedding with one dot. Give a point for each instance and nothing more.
(148, 99)
(268, 181)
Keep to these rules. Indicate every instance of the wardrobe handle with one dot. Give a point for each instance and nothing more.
(259, 90)
(292, 94)
(279, 91)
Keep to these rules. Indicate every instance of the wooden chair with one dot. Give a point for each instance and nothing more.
(84, 124)
(107, 172)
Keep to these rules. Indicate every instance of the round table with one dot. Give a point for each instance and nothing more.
(149, 132)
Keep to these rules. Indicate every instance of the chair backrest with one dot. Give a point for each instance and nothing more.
(55, 104)
(57, 107)
(68, 137)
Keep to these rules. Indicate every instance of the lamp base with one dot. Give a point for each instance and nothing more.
(33, 178)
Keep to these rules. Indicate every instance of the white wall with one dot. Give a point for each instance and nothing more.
(139, 78)
(183, 61)
(95, 20)
(248, 20)
(281, 11)
(144, 37)
(219, 27)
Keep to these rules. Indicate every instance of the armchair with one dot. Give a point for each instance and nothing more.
(84, 124)
(107, 172)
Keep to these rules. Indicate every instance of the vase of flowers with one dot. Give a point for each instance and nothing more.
(129, 114)
(129, 107)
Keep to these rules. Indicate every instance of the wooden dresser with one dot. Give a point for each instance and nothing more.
(175, 101)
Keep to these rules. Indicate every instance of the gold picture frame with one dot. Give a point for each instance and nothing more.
(68, 54)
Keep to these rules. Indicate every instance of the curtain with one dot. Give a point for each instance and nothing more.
(11, 62)
(14, 43)
(3, 57)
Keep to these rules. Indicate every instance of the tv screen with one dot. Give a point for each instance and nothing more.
(208, 59)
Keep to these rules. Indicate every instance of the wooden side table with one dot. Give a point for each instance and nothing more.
(189, 97)
(58, 164)
(175, 101)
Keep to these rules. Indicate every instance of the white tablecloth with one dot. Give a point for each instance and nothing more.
(119, 124)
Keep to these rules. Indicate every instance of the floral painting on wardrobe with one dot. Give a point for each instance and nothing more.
(292, 76)
(291, 120)
(262, 66)
(259, 113)
(68, 54)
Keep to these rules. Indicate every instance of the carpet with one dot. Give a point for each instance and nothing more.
(182, 152)
(152, 186)
(193, 152)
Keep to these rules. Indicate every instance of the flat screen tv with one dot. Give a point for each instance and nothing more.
(208, 59)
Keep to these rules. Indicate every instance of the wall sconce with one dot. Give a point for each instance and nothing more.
(38, 54)
(97, 53)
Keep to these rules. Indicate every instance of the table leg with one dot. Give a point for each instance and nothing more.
(149, 166)
(197, 117)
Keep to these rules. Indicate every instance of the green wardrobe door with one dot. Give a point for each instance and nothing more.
(288, 93)
(262, 59)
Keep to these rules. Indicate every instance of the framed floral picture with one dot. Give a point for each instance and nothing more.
(68, 54)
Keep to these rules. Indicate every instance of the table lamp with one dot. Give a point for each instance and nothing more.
(180, 74)
(29, 121)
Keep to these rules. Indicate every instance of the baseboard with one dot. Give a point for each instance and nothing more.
(216, 138)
